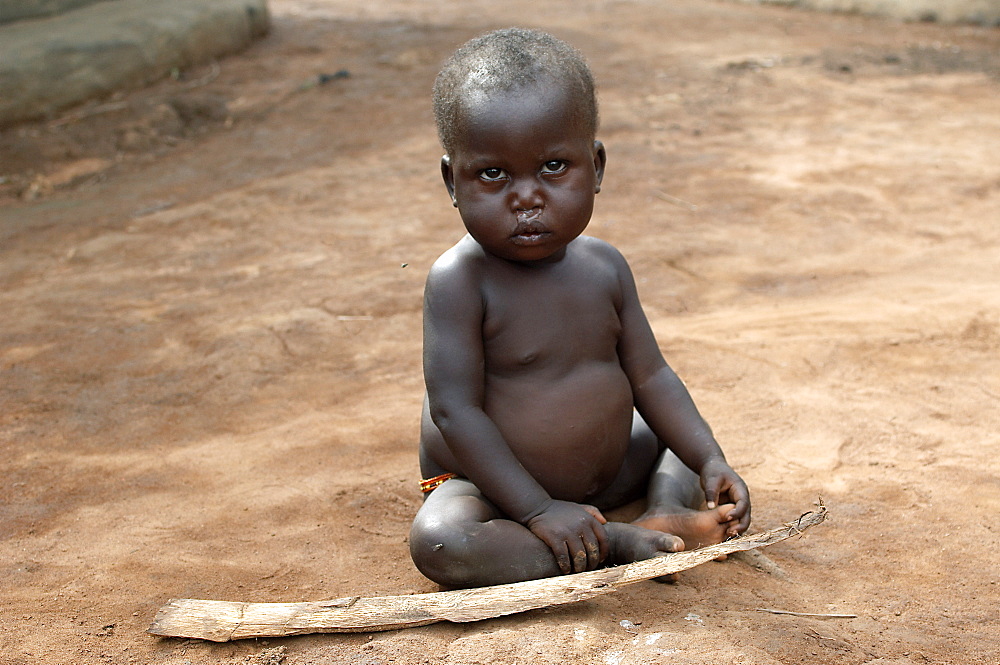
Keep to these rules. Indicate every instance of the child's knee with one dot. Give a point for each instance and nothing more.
(444, 555)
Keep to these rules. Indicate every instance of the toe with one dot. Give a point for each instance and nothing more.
(676, 544)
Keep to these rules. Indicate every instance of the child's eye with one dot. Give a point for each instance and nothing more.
(492, 174)
(554, 166)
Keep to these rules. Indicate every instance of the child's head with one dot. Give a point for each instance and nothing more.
(517, 116)
(504, 60)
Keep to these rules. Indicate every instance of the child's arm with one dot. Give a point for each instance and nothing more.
(665, 404)
(454, 375)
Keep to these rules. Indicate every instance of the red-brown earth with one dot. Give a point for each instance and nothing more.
(210, 351)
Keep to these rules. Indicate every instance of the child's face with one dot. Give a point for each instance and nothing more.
(524, 173)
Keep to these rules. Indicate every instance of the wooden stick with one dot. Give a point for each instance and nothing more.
(221, 621)
(820, 615)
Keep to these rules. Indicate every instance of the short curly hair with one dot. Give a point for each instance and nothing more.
(501, 61)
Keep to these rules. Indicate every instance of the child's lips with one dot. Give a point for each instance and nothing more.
(530, 238)
(529, 234)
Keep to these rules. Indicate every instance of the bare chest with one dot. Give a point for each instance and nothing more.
(552, 324)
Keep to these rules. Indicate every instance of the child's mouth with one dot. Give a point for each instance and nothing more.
(529, 237)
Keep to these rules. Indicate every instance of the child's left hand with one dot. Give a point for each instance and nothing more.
(723, 485)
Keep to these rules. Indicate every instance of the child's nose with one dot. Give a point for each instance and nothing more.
(527, 194)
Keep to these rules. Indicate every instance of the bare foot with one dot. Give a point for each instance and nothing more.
(629, 543)
(697, 528)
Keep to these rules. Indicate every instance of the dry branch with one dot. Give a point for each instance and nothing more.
(815, 615)
(221, 621)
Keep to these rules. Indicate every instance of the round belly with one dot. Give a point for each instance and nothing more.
(570, 433)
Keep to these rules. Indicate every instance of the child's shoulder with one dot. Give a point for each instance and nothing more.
(598, 248)
(464, 255)
(595, 250)
(460, 267)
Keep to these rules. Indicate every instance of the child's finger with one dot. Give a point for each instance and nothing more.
(595, 513)
(579, 550)
(739, 518)
(745, 518)
(593, 555)
(739, 509)
(712, 494)
(563, 560)
(603, 547)
(581, 559)
(596, 545)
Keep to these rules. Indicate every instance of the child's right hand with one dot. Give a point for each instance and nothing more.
(574, 532)
(723, 485)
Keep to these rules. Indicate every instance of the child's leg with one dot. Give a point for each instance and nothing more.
(459, 539)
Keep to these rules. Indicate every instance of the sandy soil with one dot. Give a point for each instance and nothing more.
(210, 350)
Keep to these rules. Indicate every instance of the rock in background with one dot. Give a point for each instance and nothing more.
(18, 10)
(48, 64)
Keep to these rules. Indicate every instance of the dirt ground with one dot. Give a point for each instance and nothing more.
(210, 344)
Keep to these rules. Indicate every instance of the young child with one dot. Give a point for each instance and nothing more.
(548, 399)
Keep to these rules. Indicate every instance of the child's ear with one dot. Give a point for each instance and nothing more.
(600, 161)
(449, 178)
